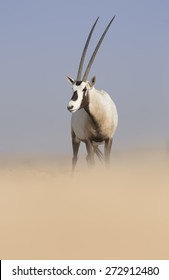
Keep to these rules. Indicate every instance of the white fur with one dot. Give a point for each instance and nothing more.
(103, 108)
(78, 121)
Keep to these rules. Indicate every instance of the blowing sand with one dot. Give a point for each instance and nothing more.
(120, 213)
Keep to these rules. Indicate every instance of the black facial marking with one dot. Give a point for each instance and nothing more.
(75, 96)
(84, 90)
(85, 100)
(78, 83)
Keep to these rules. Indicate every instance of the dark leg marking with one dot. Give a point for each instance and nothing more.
(107, 150)
(90, 152)
(75, 146)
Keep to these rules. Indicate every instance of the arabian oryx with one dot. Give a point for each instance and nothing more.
(94, 119)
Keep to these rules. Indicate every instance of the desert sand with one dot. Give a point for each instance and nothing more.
(116, 213)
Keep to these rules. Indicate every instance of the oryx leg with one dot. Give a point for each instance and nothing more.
(75, 146)
(90, 152)
(107, 150)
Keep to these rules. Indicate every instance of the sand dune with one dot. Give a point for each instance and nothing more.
(119, 213)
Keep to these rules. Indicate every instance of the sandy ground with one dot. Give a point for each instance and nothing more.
(120, 213)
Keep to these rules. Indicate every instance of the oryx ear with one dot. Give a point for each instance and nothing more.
(92, 81)
(72, 81)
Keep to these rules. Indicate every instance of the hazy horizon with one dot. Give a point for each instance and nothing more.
(41, 43)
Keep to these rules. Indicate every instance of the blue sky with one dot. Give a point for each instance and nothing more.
(41, 42)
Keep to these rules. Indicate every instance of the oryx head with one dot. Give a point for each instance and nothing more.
(81, 86)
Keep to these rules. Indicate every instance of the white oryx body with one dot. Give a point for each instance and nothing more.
(102, 107)
(94, 115)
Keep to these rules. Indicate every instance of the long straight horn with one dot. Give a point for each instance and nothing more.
(95, 51)
(84, 52)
